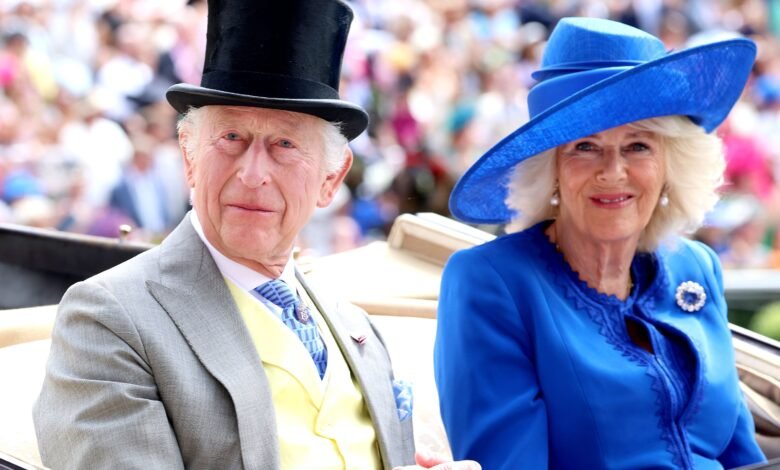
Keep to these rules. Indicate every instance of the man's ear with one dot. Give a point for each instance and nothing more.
(188, 157)
(333, 180)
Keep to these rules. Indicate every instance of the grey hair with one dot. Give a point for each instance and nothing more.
(334, 142)
(694, 171)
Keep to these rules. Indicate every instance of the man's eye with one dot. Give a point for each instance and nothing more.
(286, 144)
(232, 136)
(584, 147)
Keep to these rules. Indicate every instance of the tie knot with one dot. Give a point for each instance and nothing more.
(278, 292)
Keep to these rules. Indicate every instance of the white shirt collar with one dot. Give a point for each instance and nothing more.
(240, 275)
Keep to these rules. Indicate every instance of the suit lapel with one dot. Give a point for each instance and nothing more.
(193, 293)
(369, 362)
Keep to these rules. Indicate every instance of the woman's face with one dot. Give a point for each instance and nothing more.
(609, 184)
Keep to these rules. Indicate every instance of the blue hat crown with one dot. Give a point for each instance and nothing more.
(599, 43)
(603, 48)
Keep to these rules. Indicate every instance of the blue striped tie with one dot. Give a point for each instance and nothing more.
(303, 325)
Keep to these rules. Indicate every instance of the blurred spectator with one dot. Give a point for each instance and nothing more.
(127, 69)
(34, 211)
(748, 168)
(18, 184)
(141, 192)
(736, 229)
(99, 145)
(15, 78)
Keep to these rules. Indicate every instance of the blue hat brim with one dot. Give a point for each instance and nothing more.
(702, 83)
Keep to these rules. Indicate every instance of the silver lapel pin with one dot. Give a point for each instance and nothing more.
(302, 313)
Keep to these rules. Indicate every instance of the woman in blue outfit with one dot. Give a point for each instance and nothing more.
(591, 337)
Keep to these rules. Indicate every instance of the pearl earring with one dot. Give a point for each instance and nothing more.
(555, 200)
(663, 201)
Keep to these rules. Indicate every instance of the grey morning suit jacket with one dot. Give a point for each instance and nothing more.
(151, 366)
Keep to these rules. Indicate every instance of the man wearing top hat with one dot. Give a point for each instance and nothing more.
(211, 350)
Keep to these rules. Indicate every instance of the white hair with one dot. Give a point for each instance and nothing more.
(694, 171)
(334, 142)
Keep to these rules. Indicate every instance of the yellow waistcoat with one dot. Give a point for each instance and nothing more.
(321, 424)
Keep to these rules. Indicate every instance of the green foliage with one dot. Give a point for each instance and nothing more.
(766, 321)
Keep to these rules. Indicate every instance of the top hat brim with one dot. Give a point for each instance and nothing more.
(352, 119)
(702, 83)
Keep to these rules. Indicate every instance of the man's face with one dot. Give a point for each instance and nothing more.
(257, 175)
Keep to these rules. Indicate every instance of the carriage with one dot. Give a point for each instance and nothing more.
(395, 281)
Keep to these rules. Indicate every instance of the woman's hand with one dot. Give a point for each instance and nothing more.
(436, 462)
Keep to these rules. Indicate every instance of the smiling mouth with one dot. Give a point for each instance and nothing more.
(612, 200)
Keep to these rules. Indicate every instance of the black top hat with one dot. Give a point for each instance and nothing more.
(275, 54)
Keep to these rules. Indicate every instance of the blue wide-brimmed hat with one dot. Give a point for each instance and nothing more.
(595, 75)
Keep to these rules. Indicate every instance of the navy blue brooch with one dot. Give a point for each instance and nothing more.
(690, 296)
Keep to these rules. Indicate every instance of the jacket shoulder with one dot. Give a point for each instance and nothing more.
(525, 244)
(136, 270)
(692, 258)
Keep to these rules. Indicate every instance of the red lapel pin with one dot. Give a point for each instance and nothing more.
(358, 338)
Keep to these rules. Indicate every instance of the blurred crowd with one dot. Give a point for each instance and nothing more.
(88, 142)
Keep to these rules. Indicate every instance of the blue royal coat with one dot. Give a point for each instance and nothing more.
(536, 370)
